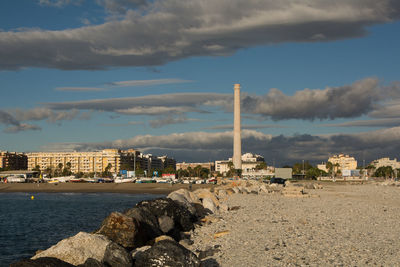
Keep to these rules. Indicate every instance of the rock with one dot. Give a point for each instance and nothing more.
(167, 253)
(186, 242)
(223, 207)
(121, 229)
(77, 249)
(222, 193)
(42, 262)
(186, 198)
(138, 251)
(207, 252)
(236, 190)
(150, 213)
(209, 204)
(116, 256)
(166, 223)
(92, 263)
(203, 193)
(162, 237)
(221, 233)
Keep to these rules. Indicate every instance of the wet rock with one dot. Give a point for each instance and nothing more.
(117, 256)
(121, 229)
(150, 213)
(41, 262)
(92, 263)
(138, 251)
(167, 253)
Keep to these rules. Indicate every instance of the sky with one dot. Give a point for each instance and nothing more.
(317, 77)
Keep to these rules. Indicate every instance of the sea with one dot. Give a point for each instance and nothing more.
(31, 222)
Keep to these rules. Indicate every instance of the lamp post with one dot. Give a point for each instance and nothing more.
(303, 169)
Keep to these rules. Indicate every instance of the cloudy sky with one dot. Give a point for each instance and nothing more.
(318, 77)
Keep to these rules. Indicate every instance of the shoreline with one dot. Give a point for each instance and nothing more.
(125, 188)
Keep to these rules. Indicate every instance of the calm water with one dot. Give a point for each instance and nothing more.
(28, 225)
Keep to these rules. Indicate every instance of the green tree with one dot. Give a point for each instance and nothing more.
(169, 170)
(37, 169)
(197, 170)
(127, 167)
(67, 169)
(384, 171)
(261, 166)
(329, 167)
(314, 173)
(106, 172)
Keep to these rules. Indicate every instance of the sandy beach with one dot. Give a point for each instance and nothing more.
(347, 225)
(128, 188)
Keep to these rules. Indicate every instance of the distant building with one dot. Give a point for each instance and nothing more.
(249, 163)
(341, 162)
(383, 162)
(13, 160)
(186, 165)
(97, 161)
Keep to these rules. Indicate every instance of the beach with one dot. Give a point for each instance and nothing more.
(127, 188)
(342, 225)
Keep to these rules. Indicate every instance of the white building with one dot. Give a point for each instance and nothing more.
(383, 162)
(249, 163)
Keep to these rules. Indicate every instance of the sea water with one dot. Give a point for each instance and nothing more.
(31, 222)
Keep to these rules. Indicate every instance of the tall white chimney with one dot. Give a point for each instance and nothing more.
(237, 142)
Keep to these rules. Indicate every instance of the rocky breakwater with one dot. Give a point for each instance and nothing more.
(153, 233)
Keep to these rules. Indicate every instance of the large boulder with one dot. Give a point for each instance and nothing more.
(206, 193)
(122, 229)
(167, 253)
(209, 205)
(186, 198)
(77, 249)
(42, 262)
(161, 216)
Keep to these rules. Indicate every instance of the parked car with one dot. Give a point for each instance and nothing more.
(276, 180)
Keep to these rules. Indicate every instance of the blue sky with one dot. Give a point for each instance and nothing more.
(317, 78)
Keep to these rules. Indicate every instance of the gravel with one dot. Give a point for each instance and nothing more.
(347, 225)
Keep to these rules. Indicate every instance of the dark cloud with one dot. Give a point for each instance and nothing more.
(244, 126)
(146, 105)
(38, 114)
(349, 101)
(170, 119)
(59, 3)
(147, 82)
(203, 146)
(8, 119)
(368, 123)
(167, 30)
(21, 128)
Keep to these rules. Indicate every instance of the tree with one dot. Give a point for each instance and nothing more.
(384, 171)
(329, 167)
(67, 169)
(299, 166)
(106, 172)
(197, 170)
(314, 173)
(37, 169)
(127, 167)
(169, 170)
(261, 166)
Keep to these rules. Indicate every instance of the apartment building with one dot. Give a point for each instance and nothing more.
(383, 162)
(84, 162)
(186, 165)
(345, 162)
(13, 160)
(249, 162)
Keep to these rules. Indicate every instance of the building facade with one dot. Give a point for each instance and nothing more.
(13, 160)
(85, 162)
(98, 161)
(343, 162)
(249, 163)
(186, 165)
(383, 162)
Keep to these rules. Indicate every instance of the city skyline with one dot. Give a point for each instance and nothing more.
(316, 78)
